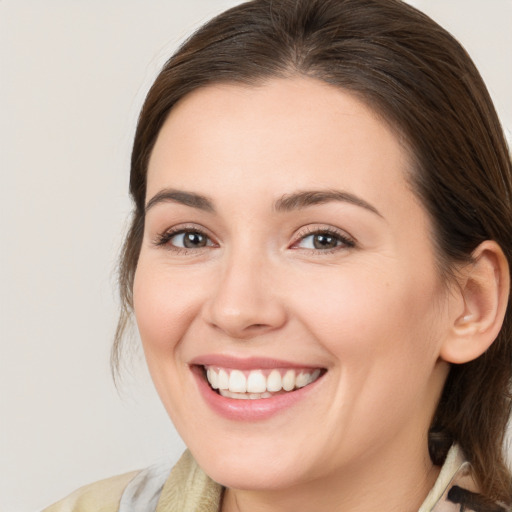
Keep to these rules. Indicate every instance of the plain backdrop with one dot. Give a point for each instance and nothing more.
(73, 75)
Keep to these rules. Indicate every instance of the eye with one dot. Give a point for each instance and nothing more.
(189, 240)
(184, 239)
(324, 240)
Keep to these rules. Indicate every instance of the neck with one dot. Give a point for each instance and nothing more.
(392, 487)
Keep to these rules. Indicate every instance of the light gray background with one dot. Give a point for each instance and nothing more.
(73, 75)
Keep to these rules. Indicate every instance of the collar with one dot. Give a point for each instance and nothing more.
(186, 488)
(456, 472)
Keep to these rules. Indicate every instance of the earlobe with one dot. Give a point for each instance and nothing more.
(484, 286)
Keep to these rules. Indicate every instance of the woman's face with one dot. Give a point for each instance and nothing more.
(283, 247)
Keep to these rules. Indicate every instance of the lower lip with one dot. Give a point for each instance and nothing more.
(249, 410)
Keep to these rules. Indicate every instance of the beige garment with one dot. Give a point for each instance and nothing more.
(189, 489)
(101, 496)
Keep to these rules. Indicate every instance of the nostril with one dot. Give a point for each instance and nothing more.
(243, 306)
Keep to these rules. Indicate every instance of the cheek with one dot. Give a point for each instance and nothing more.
(383, 336)
(164, 307)
(367, 315)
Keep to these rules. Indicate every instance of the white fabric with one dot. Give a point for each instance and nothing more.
(143, 492)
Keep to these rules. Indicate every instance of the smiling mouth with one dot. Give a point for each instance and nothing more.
(260, 383)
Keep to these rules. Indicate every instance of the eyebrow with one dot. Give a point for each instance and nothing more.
(181, 197)
(303, 199)
(289, 202)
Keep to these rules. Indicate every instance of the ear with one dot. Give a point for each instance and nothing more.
(484, 286)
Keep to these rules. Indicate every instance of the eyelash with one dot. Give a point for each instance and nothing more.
(344, 241)
(163, 239)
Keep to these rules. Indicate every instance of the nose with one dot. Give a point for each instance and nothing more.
(244, 303)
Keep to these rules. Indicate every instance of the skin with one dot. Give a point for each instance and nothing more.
(374, 313)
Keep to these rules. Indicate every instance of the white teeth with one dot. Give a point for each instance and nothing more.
(244, 396)
(257, 384)
(213, 378)
(289, 380)
(223, 381)
(274, 381)
(229, 394)
(237, 382)
(306, 378)
(302, 380)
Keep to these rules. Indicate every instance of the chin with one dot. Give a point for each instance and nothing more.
(242, 470)
(246, 476)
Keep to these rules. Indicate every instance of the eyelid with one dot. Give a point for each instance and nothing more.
(347, 241)
(163, 238)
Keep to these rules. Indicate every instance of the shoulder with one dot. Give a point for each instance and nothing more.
(189, 489)
(102, 496)
(161, 487)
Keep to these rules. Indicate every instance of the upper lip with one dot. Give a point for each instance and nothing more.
(246, 363)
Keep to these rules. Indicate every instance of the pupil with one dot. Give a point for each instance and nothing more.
(194, 240)
(324, 242)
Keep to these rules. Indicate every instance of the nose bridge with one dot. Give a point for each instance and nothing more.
(244, 303)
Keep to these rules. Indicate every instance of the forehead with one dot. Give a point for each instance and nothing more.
(286, 132)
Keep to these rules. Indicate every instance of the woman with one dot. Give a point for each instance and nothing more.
(318, 264)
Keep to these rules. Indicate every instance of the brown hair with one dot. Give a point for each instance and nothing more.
(419, 78)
